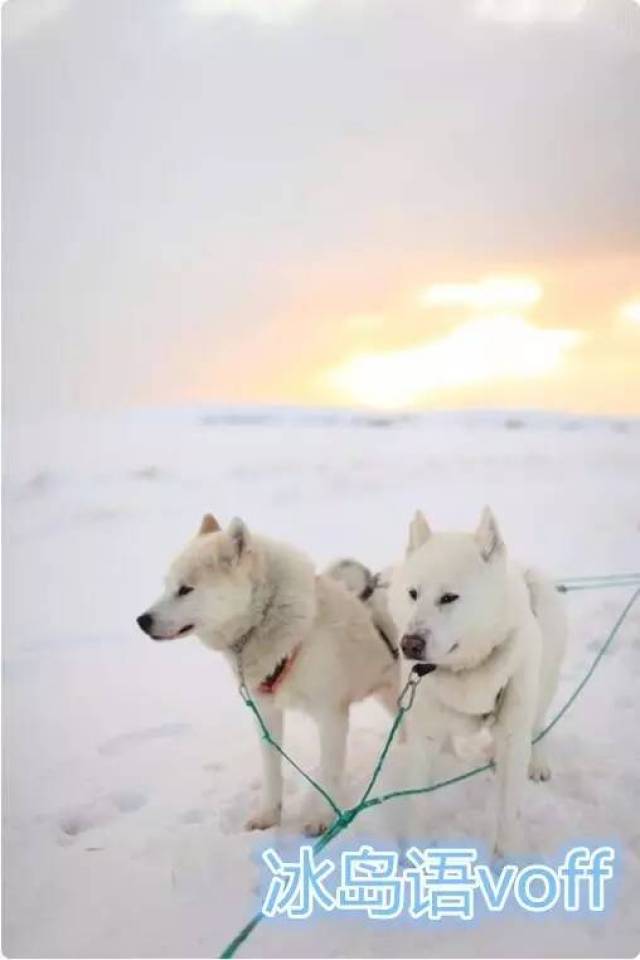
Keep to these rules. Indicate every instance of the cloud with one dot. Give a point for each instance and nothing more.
(178, 178)
(365, 322)
(491, 293)
(530, 11)
(484, 349)
(630, 313)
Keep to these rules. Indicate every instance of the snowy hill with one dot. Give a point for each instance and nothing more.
(130, 767)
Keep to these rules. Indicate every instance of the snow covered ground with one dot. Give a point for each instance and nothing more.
(130, 767)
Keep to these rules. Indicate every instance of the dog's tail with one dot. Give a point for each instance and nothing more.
(546, 603)
(354, 576)
(366, 586)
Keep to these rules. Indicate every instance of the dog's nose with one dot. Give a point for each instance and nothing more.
(145, 622)
(413, 646)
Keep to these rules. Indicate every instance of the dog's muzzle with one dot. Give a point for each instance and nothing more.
(414, 646)
(145, 622)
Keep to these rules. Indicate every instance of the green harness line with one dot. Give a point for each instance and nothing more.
(266, 735)
(405, 701)
(598, 578)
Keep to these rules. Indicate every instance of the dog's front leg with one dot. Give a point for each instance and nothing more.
(270, 809)
(421, 756)
(513, 751)
(332, 727)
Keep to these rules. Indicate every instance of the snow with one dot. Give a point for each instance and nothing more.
(130, 766)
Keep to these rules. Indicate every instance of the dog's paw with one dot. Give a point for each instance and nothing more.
(264, 819)
(539, 769)
(504, 852)
(316, 817)
(315, 826)
(510, 842)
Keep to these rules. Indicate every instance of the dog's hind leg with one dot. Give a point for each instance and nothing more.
(549, 609)
(270, 809)
(539, 768)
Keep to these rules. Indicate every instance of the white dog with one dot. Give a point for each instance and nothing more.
(295, 639)
(493, 638)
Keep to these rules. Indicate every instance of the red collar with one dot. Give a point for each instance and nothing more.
(275, 679)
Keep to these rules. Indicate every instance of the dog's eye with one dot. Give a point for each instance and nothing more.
(184, 590)
(448, 598)
(413, 593)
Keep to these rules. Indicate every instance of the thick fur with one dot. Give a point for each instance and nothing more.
(503, 633)
(371, 590)
(267, 595)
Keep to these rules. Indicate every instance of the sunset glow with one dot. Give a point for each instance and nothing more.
(490, 293)
(443, 219)
(483, 349)
(494, 341)
(630, 313)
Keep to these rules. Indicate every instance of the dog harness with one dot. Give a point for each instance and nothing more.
(274, 680)
(271, 683)
(237, 647)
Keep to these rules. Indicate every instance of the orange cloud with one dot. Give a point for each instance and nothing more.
(630, 313)
(483, 349)
(499, 292)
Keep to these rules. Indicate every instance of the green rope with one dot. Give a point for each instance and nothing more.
(266, 735)
(602, 577)
(345, 817)
(239, 939)
(598, 657)
(571, 587)
(598, 583)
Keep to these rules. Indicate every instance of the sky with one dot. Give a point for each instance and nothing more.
(374, 203)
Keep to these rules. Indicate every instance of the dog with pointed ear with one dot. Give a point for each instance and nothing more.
(209, 524)
(238, 533)
(488, 536)
(419, 532)
(238, 537)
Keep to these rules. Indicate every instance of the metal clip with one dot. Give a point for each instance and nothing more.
(406, 698)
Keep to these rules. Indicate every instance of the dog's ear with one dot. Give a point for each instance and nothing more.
(209, 524)
(488, 536)
(419, 532)
(240, 537)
